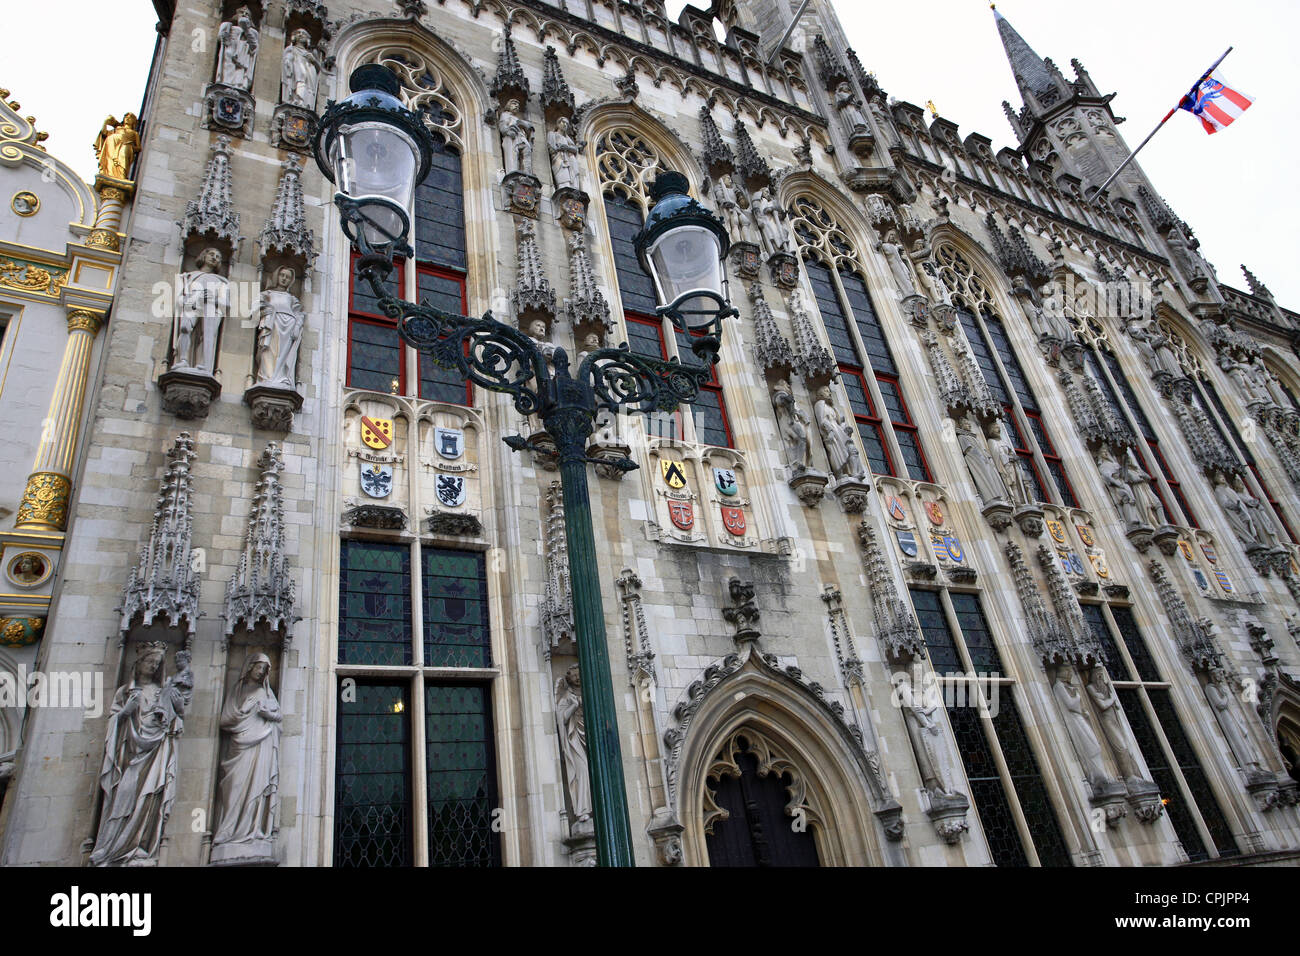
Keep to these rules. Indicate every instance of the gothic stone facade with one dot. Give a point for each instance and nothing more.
(979, 549)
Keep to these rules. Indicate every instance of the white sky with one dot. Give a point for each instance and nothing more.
(1236, 188)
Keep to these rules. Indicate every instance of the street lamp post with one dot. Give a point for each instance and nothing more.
(376, 150)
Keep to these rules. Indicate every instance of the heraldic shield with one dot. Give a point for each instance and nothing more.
(451, 490)
(450, 442)
(377, 480)
(376, 433)
(674, 472)
(682, 513)
(733, 519)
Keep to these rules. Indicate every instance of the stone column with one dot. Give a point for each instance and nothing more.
(45, 502)
(113, 196)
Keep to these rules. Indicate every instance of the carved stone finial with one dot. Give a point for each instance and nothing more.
(813, 360)
(587, 309)
(1195, 642)
(164, 584)
(896, 625)
(509, 82)
(770, 346)
(752, 167)
(262, 588)
(286, 228)
(829, 65)
(532, 296)
(557, 97)
(1256, 287)
(213, 212)
(718, 157)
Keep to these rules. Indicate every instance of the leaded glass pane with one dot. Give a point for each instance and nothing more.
(710, 420)
(1009, 361)
(456, 630)
(643, 338)
(372, 795)
(440, 384)
(1136, 644)
(1153, 753)
(874, 440)
(1109, 650)
(1190, 765)
(975, 630)
(864, 313)
(1028, 783)
(859, 397)
(635, 287)
(439, 223)
(889, 394)
(1062, 485)
(461, 767)
(944, 656)
(375, 356)
(987, 794)
(374, 603)
(983, 356)
(1130, 399)
(833, 317)
(910, 445)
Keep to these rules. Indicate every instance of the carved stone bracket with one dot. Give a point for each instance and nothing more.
(1029, 518)
(746, 259)
(743, 615)
(454, 523)
(810, 486)
(272, 408)
(853, 494)
(227, 108)
(784, 269)
(521, 194)
(997, 514)
(379, 517)
(571, 207)
(292, 127)
(188, 395)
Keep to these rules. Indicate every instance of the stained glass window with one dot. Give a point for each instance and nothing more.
(455, 609)
(372, 802)
(461, 763)
(374, 603)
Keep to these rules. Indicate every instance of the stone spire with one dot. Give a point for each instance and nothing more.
(718, 157)
(286, 229)
(1073, 624)
(814, 362)
(164, 583)
(1051, 643)
(770, 346)
(214, 212)
(557, 97)
(533, 298)
(510, 81)
(587, 309)
(1256, 287)
(1030, 70)
(757, 174)
(262, 589)
(896, 625)
(1194, 640)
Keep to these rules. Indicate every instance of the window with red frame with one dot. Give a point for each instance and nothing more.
(645, 330)
(982, 347)
(854, 371)
(376, 356)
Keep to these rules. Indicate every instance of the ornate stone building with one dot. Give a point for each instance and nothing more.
(978, 548)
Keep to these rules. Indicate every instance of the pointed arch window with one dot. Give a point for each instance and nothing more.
(991, 346)
(627, 165)
(866, 364)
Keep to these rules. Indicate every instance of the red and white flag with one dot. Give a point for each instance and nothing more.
(1215, 103)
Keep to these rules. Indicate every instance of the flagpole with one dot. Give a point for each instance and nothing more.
(1204, 76)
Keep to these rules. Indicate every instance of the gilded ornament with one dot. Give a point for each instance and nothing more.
(104, 238)
(30, 278)
(25, 203)
(83, 321)
(45, 502)
(20, 631)
(117, 145)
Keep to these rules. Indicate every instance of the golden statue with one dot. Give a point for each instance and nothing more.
(117, 145)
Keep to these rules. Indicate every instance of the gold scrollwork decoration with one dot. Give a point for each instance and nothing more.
(15, 274)
(83, 321)
(104, 239)
(45, 502)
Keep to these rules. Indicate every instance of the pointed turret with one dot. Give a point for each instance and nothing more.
(1030, 70)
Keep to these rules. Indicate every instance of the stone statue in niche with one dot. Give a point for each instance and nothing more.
(1220, 699)
(1112, 725)
(1155, 346)
(138, 774)
(1267, 381)
(884, 123)
(729, 199)
(1007, 461)
(537, 332)
(837, 436)
(279, 331)
(1235, 510)
(571, 724)
(1116, 477)
(564, 155)
(516, 139)
(248, 780)
(1149, 507)
(1067, 694)
(894, 254)
(237, 42)
(767, 216)
(794, 424)
(1260, 516)
(983, 470)
(200, 309)
(847, 105)
(923, 729)
(300, 72)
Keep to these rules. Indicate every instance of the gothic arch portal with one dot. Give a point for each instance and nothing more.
(832, 784)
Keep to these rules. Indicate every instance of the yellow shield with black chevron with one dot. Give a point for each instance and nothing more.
(674, 472)
(376, 433)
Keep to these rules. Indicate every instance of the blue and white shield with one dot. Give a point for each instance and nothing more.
(1076, 565)
(725, 478)
(954, 548)
(906, 543)
(450, 442)
(451, 490)
(377, 480)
